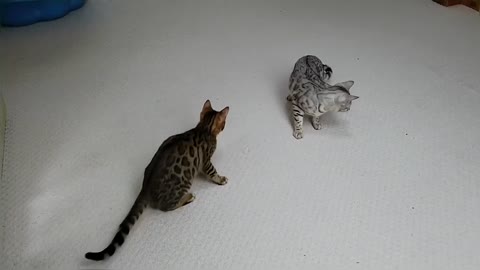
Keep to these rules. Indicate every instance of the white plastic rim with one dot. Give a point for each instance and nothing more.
(3, 122)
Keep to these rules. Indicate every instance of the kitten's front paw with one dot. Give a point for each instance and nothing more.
(220, 180)
(298, 134)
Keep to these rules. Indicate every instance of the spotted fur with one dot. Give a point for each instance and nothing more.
(311, 94)
(168, 177)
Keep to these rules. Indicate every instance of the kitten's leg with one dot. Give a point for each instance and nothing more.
(212, 174)
(298, 121)
(316, 122)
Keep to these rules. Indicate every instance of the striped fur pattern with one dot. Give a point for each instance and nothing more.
(312, 95)
(169, 175)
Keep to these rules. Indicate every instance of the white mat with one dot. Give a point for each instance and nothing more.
(393, 184)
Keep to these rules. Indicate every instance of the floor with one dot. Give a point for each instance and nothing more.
(392, 184)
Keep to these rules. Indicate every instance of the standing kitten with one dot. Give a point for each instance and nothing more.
(169, 175)
(310, 93)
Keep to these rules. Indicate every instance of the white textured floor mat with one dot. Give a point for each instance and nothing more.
(393, 184)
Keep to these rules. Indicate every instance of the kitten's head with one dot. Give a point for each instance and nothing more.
(212, 120)
(343, 99)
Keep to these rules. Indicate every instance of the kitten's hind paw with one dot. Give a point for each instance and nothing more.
(191, 199)
(186, 199)
(298, 134)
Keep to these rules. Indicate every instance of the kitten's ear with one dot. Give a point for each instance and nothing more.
(350, 97)
(207, 106)
(347, 84)
(219, 123)
(223, 113)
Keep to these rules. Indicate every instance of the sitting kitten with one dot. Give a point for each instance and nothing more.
(310, 93)
(169, 175)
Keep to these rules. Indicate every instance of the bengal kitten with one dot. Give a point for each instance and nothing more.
(311, 94)
(169, 175)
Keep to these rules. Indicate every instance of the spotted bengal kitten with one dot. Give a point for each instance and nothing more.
(169, 175)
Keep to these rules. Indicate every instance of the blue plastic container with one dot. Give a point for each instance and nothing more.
(25, 12)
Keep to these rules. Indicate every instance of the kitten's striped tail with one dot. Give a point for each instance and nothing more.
(137, 209)
(328, 71)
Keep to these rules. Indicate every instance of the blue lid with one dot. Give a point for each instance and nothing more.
(25, 12)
